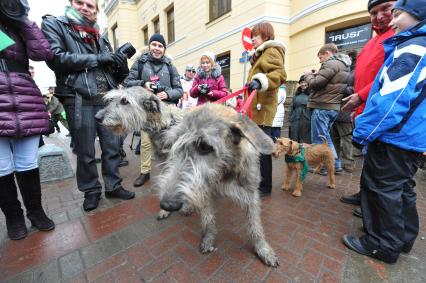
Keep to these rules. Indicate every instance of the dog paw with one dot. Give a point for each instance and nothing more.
(268, 257)
(331, 186)
(162, 214)
(284, 188)
(207, 248)
(297, 194)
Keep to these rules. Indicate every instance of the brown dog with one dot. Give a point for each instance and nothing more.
(315, 154)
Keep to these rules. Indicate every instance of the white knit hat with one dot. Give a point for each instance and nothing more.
(210, 55)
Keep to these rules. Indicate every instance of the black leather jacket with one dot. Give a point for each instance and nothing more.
(75, 61)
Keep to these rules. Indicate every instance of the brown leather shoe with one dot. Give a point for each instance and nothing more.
(141, 180)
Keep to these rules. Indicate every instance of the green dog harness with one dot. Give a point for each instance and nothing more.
(299, 158)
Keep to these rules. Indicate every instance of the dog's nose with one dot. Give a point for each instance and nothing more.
(170, 205)
(100, 116)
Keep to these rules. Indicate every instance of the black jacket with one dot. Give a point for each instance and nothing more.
(146, 66)
(75, 61)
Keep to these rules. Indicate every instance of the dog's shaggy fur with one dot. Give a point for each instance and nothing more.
(316, 155)
(210, 151)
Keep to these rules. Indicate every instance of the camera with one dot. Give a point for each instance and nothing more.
(126, 49)
(204, 89)
(157, 87)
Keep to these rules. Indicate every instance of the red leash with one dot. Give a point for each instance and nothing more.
(247, 102)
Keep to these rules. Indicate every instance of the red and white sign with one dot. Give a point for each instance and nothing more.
(246, 38)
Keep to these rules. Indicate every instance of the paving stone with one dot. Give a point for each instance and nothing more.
(48, 272)
(71, 265)
(100, 250)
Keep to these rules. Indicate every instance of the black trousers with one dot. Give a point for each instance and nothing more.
(388, 199)
(266, 166)
(84, 139)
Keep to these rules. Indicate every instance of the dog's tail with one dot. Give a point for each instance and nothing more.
(324, 139)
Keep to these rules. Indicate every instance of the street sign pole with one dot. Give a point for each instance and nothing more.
(245, 67)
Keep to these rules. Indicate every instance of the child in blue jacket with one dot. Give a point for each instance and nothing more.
(393, 125)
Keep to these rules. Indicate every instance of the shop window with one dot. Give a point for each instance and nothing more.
(170, 25)
(218, 8)
(350, 38)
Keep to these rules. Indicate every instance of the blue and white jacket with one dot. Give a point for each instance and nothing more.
(396, 106)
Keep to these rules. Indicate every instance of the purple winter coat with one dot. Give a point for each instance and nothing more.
(22, 109)
(216, 84)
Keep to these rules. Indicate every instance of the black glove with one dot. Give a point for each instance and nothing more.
(254, 84)
(357, 145)
(106, 59)
(120, 59)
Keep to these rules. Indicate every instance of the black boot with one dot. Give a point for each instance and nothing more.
(11, 207)
(29, 185)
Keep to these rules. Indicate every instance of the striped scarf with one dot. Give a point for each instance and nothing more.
(89, 31)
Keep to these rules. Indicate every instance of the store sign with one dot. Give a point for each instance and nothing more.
(224, 61)
(353, 37)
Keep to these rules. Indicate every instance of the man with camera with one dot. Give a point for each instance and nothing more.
(86, 68)
(155, 72)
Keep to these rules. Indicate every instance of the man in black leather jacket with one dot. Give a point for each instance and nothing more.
(85, 69)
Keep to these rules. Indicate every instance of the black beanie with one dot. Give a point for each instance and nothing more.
(159, 38)
(372, 3)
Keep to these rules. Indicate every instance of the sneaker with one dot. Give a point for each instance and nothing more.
(120, 193)
(357, 212)
(323, 172)
(355, 244)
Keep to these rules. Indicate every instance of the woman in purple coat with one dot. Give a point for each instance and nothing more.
(23, 118)
(209, 84)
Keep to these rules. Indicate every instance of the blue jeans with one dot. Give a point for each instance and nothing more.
(321, 123)
(18, 154)
(84, 142)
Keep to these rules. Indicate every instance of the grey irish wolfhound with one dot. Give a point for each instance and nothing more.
(210, 151)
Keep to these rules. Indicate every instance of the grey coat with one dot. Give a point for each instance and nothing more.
(299, 118)
(146, 66)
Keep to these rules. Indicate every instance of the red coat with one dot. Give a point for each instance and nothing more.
(368, 64)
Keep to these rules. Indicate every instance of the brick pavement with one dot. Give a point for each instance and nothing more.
(122, 240)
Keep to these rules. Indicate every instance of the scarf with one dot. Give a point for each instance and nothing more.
(88, 30)
(299, 159)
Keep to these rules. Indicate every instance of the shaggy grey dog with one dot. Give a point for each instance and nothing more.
(208, 152)
(215, 152)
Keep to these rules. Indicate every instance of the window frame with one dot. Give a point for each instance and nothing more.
(171, 31)
(223, 3)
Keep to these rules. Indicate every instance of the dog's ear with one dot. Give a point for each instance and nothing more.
(248, 129)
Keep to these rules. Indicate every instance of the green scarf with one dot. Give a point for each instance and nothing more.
(299, 158)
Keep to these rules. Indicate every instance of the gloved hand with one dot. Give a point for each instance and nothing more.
(106, 58)
(120, 59)
(357, 145)
(254, 84)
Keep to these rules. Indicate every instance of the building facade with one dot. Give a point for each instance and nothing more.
(191, 27)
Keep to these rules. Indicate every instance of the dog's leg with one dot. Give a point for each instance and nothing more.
(187, 209)
(256, 233)
(208, 225)
(286, 183)
(298, 188)
(162, 214)
(329, 164)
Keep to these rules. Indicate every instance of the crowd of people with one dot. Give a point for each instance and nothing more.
(374, 100)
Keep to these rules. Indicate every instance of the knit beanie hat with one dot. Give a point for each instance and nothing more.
(211, 56)
(159, 38)
(416, 8)
(372, 3)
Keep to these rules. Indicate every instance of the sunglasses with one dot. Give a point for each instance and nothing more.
(191, 71)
